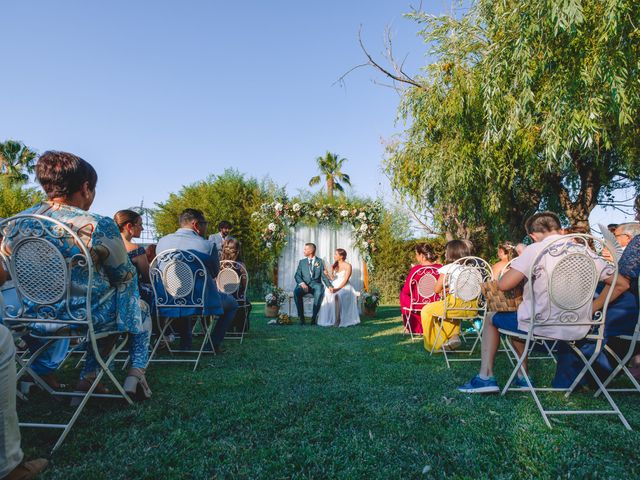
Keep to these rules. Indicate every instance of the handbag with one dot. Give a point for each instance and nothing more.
(499, 301)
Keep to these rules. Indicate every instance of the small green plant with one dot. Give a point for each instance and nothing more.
(371, 299)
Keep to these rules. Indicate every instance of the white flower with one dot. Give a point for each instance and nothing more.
(296, 207)
(269, 297)
(319, 213)
(362, 216)
(278, 206)
(272, 227)
(364, 227)
(344, 213)
(268, 244)
(365, 244)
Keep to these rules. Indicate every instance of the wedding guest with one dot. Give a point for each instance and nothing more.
(425, 256)
(506, 253)
(625, 232)
(231, 251)
(224, 229)
(130, 225)
(191, 237)
(70, 185)
(542, 227)
(12, 463)
(448, 337)
(612, 227)
(150, 251)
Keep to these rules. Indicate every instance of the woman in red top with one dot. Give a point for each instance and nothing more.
(425, 256)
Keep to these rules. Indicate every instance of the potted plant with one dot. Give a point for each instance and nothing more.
(370, 301)
(274, 298)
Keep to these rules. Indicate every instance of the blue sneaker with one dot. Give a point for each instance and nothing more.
(520, 382)
(478, 385)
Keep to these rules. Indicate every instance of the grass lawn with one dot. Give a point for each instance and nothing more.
(361, 402)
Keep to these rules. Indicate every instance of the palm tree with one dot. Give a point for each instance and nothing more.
(16, 161)
(330, 167)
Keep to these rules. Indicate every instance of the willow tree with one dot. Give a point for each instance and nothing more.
(527, 105)
(565, 75)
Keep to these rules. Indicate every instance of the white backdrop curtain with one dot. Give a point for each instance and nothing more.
(327, 239)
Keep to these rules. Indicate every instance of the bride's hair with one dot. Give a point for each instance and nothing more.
(343, 253)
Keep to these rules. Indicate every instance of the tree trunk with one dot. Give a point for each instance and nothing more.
(330, 187)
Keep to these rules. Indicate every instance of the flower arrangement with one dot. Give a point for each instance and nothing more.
(283, 319)
(279, 216)
(275, 297)
(371, 299)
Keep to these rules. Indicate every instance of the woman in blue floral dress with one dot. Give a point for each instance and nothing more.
(70, 183)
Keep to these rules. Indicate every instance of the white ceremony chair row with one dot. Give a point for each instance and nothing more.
(175, 275)
(467, 288)
(422, 284)
(571, 284)
(50, 279)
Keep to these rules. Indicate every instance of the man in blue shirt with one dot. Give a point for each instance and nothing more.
(191, 237)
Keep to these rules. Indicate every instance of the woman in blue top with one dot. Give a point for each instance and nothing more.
(70, 185)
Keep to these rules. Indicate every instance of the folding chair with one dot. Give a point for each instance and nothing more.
(233, 280)
(464, 285)
(175, 277)
(421, 286)
(567, 270)
(49, 275)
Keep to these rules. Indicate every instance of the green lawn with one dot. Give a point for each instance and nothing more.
(308, 402)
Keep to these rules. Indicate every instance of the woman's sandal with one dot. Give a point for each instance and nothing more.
(136, 385)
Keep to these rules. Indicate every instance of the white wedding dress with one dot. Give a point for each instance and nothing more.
(347, 305)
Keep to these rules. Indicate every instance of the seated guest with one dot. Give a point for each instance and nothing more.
(448, 337)
(70, 185)
(130, 225)
(190, 237)
(542, 228)
(625, 232)
(12, 463)
(506, 252)
(425, 256)
(622, 315)
(224, 229)
(231, 251)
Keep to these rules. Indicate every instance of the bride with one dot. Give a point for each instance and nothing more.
(339, 306)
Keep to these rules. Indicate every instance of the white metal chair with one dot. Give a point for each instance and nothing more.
(179, 280)
(421, 287)
(465, 285)
(567, 271)
(233, 280)
(51, 268)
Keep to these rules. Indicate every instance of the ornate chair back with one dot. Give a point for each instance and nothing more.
(179, 281)
(422, 284)
(51, 269)
(465, 283)
(232, 279)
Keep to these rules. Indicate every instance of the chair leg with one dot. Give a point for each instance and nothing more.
(622, 365)
(207, 338)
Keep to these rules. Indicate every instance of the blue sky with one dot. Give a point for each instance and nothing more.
(158, 94)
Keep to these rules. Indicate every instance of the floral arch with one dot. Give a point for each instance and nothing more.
(281, 215)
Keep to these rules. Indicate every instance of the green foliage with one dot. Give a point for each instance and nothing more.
(330, 167)
(394, 254)
(522, 109)
(230, 197)
(17, 161)
(15, 197)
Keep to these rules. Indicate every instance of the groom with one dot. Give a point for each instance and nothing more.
(310, 278)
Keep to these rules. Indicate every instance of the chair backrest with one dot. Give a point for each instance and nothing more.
(465, 282)
(421, 286)
(611, 239)
(179, 279)
(232, 278)
(563, 280)
(46, 259)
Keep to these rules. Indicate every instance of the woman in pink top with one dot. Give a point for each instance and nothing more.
(425, 256)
